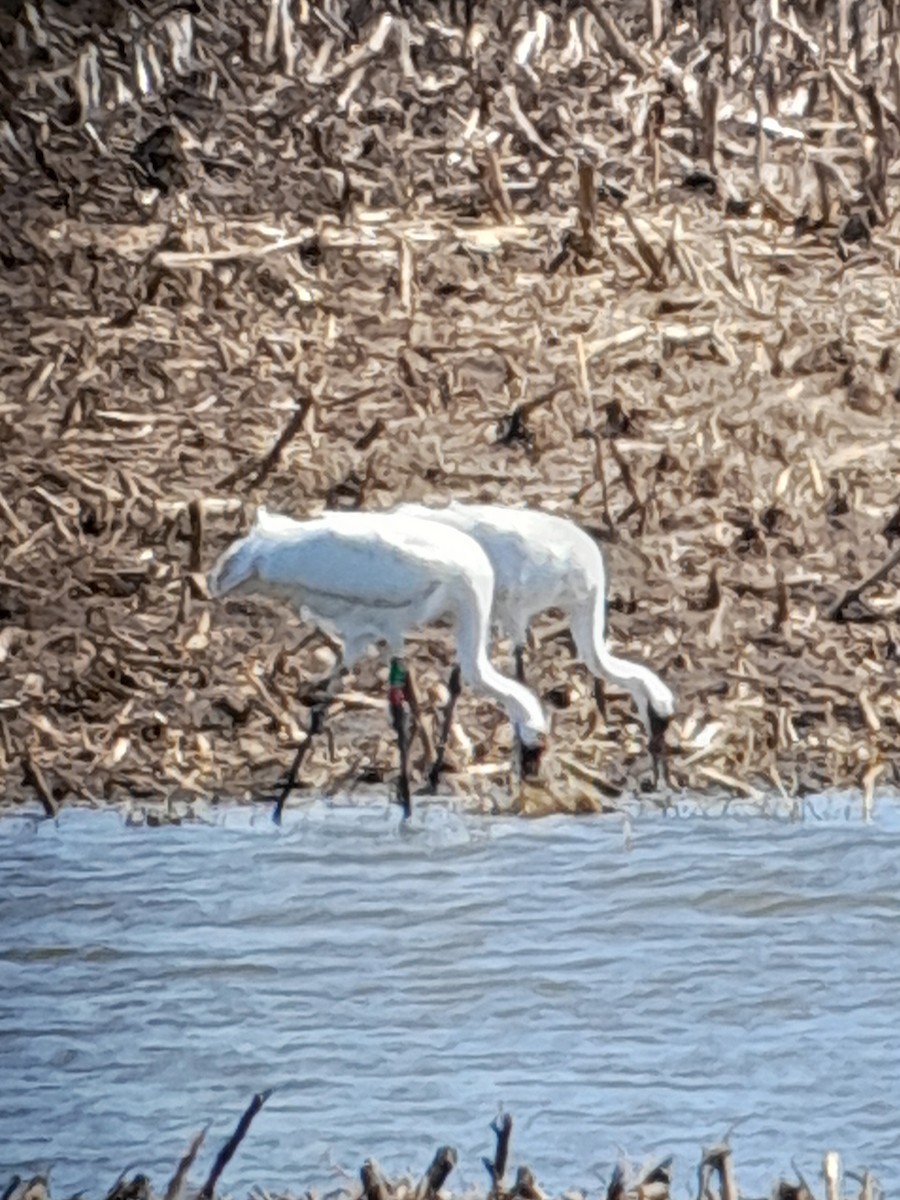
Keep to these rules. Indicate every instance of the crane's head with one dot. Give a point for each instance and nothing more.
(530, 758)
(234, 568)
(532, 742)
(243, 561)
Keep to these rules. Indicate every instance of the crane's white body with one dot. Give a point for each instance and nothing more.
(544, 561)
(371, 577)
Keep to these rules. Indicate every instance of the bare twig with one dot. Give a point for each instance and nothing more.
(497, 1168)
(435, 1177)
(615, 36)
(261, 470)
(718, 1159)
(374, 1184)
(176, 1183)
(853, 594)
(225, 1155)
(173, 259)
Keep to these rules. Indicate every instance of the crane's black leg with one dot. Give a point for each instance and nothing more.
(398, 694)
(520, 663)
(519, 748)
(600, 697)
(659, 751)
(528, 757)
(455, 687)
(322, 701)
(659, 766)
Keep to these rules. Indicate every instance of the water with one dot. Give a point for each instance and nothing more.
(618, 985)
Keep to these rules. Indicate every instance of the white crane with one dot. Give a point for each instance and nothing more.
(544, 561)
(371, 577)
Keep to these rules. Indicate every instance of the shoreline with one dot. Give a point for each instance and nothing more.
(836, 805)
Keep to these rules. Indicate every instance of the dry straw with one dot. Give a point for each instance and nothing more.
(635, 265)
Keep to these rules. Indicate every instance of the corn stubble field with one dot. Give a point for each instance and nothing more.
(637, 265)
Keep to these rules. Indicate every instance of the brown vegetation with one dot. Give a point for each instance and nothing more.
(636, 270)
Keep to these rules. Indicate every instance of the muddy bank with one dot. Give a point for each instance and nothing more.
(345, 259)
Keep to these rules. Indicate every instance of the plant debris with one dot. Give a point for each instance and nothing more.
(651, 1181)
(636, 265)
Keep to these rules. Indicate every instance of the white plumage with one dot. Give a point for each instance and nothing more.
(544, 561)
(371, 577)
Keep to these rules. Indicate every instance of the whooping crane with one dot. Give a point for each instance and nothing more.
(370, 577)
(544, 561)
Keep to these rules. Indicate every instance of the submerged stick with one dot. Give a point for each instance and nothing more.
(718, 1159)
(497, 1168)
(176, 1183)
(374, 1184)
(135, 1188)
(616, 1189)
(831, 1169)
(225, 1155)
(525, 1186)
(436, 1176)
(662, 1173)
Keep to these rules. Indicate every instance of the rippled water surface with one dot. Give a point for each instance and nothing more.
(618, 985)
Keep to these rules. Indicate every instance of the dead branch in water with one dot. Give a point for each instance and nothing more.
(497, 1168)
(225, 1155)
(175, 1188)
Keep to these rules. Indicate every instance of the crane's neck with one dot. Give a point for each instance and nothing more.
(632, 676)
(651, 696)
(646, 688)
(522, 706)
